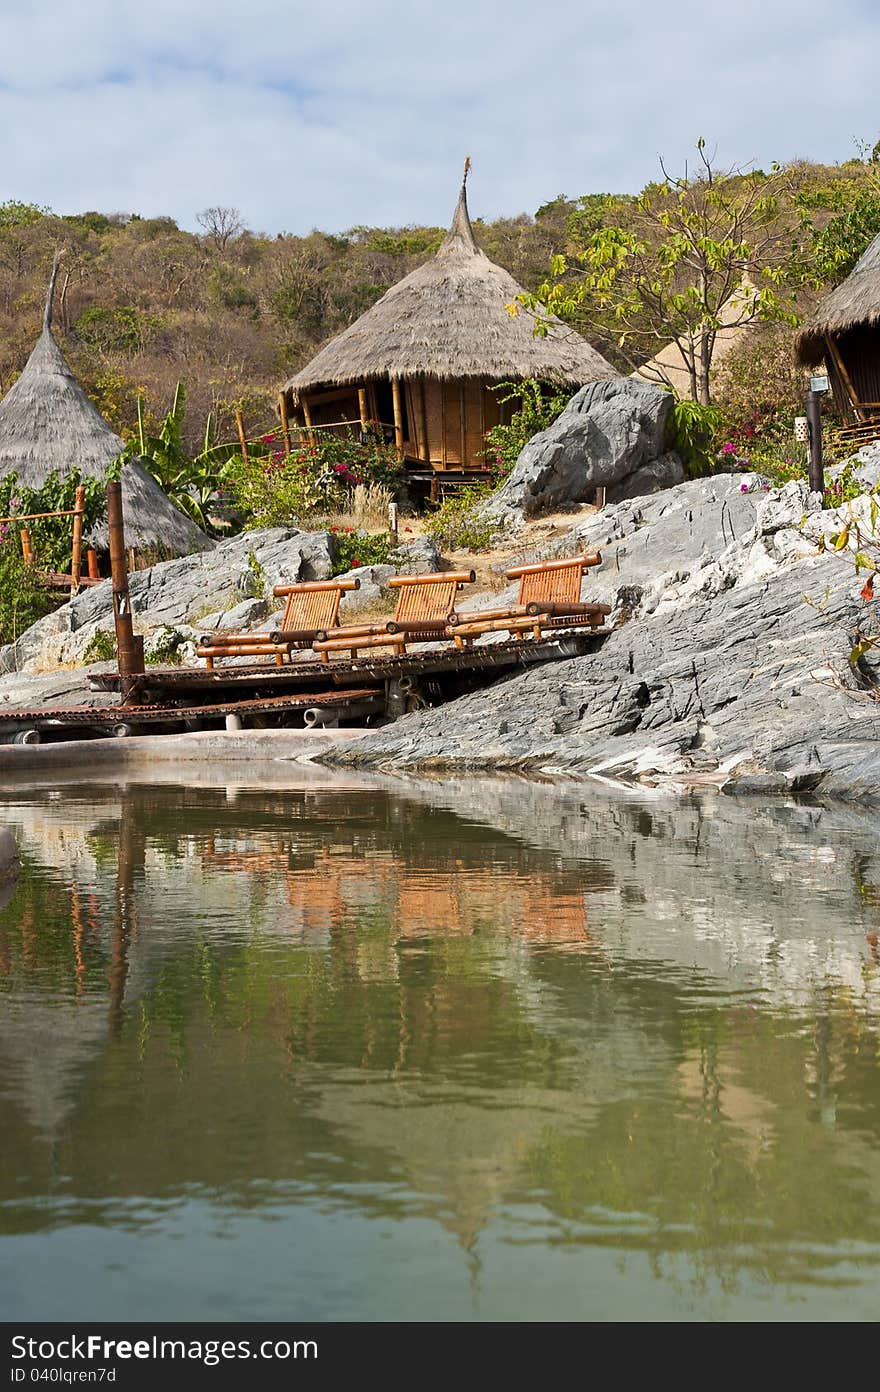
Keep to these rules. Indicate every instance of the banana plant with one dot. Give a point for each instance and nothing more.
(190, 483)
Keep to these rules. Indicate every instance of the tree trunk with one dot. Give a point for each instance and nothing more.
(705, 363)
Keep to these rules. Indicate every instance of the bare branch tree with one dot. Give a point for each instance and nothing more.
(221, 225)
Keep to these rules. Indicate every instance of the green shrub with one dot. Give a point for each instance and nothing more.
(22, 601)
(52, 537)
(352, 549)
(538, 408)
(457, 526)
(101, 647)
(691, 433)
(165, 650)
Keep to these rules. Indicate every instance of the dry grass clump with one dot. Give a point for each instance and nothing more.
(367, 510)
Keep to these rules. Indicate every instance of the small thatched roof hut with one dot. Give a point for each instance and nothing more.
(48, 425)
(844, 332)
(423, 361)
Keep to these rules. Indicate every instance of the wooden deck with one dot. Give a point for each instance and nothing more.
(378, 686)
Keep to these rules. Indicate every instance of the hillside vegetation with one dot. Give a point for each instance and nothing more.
(143, 304)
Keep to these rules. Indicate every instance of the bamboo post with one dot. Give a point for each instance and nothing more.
(835, 357)
(92, 559)
(307, 417)
(392, 520)
(27, 549)
(398, 418)
(424, 443)
(362, 407)
(285, 423)
(129, 648)
(76, 549)
(242, 438)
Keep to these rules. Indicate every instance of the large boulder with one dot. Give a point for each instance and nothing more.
(611, 435)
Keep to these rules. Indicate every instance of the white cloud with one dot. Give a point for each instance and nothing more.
(344, 113)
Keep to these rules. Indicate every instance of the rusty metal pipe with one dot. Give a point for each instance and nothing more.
(129, 647)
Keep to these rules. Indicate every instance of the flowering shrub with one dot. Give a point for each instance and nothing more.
(273, 488)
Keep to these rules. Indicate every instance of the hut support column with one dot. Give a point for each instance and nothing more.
(462, 405)
(398, 419)
(285, 423)
(129, 647)
(362, 407)
(833, 352)
(307, 417)
(425, 447)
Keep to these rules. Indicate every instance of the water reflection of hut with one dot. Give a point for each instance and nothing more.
(424, 361)
(48, 425)
(844, 333)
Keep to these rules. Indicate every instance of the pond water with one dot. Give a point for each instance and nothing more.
(396, 1050)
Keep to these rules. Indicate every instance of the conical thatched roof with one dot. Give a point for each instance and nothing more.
(855, 301)
(447, 319)
(48, 424)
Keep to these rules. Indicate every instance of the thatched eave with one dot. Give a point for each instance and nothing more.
(855, 302)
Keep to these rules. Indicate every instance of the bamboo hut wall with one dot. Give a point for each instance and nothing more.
(859, 349)
(445, 422)
(452, 411)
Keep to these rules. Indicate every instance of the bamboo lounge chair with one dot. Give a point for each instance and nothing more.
(424, 604)
(549, 598)
(310, 610)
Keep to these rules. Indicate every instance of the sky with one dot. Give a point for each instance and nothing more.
(345, 113)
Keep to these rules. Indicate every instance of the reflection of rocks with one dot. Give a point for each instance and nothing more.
(10, 860)
(461, 1002)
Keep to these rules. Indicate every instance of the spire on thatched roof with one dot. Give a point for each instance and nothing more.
(448, 320)
(855, 301)
(48, 425)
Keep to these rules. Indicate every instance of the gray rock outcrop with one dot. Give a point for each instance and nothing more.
(734, 667)
(612, 434)
(177, 594)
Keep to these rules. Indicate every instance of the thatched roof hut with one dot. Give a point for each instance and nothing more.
(844, 332)
(422, 362)
(48, 425)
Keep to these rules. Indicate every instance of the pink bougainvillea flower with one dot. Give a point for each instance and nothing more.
(744, 488)
(728, 447)
(266, 439)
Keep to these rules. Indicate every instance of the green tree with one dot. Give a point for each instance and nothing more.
(692, 254)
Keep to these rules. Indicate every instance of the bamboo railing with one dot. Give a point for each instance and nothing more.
(54, 579)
